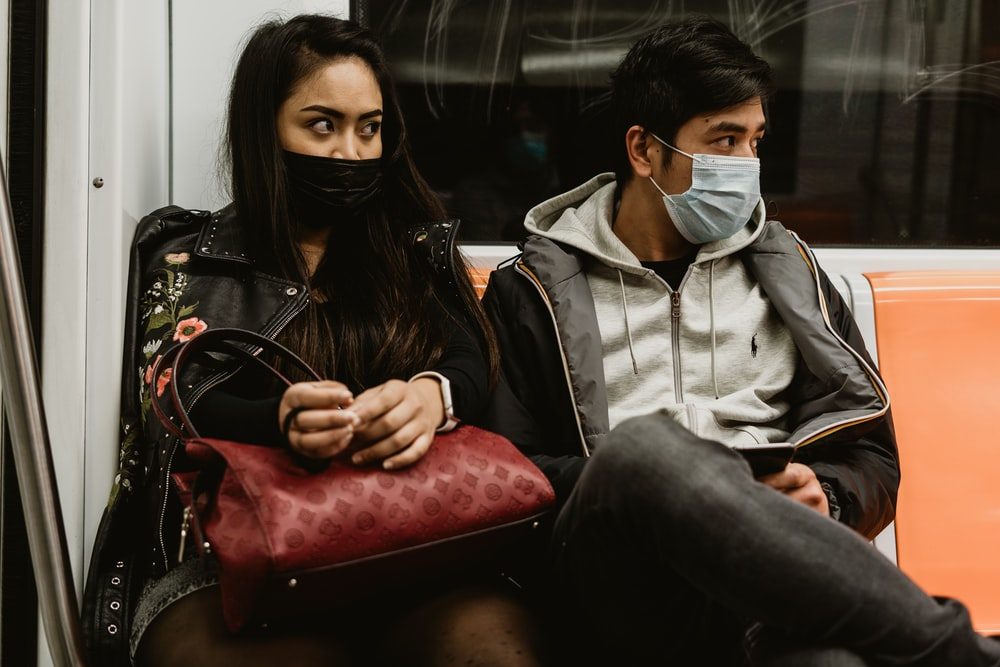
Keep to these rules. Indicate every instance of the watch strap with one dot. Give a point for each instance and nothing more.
(450, 421)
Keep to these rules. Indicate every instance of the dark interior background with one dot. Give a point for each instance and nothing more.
(884, 131)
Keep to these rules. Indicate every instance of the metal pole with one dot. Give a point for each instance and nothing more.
(22, 400)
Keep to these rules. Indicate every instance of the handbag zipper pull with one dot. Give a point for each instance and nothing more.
(185, 522)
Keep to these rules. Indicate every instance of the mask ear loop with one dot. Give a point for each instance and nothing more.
(655, 185)
(674, 148)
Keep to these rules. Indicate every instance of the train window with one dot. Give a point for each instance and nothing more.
(883, 132)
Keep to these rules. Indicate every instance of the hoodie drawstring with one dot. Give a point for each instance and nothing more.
(628, 331)
(711, 312)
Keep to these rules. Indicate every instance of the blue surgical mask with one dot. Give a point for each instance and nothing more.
(723, 195)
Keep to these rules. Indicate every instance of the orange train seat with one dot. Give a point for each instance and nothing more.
(938, 338)
(480, 276)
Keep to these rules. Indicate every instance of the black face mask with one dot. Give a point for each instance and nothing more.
(323, 188)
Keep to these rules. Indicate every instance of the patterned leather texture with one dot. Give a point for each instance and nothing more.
(288, 541)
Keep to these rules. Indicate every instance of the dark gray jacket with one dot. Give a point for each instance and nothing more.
(552, 403)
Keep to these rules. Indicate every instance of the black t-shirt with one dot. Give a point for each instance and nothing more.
(672, 270)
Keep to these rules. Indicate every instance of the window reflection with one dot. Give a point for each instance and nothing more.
(883, 133)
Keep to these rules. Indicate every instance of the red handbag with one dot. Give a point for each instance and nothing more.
(288, 541)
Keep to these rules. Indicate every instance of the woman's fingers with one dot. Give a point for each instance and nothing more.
(324, 419)
(397, 442)
(322, 444)
(411, 454)
(321, 433)
(397, 423)
(320, 394)
(373, 407)
(393, 422)
(314, 419)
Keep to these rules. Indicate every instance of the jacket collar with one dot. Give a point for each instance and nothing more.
(223, 238)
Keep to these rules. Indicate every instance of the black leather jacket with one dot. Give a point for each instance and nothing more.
(188, 270)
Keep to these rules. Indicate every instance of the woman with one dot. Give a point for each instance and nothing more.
(317, 249)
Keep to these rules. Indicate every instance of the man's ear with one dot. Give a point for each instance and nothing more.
(637, 144)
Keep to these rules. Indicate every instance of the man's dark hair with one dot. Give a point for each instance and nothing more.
(679, 71)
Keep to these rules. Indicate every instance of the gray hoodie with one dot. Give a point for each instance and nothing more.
(713, 354)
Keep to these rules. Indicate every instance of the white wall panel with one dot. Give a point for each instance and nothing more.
(128, 156)
(64, 264)
(207, 38)
(145, 110)
(106, 119)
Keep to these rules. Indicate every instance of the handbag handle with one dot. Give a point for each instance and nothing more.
(215, 340)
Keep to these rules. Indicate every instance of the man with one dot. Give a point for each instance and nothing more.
(654, 322)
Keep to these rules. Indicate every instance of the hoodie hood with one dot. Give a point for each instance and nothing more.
(582, 219)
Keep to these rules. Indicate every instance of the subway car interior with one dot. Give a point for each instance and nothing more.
(880, 152)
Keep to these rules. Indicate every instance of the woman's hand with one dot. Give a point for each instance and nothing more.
(317, 418)
(397, 422)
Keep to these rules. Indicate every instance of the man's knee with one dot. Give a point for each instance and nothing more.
(655, 445)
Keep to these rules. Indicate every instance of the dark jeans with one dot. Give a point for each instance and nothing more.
(668, 551)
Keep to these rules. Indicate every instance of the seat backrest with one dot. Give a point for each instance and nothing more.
(480, 276)
(939, 352)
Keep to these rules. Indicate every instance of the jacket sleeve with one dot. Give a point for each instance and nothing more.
(862, 471)
(465, 366)
(531, 405)
(119, 561)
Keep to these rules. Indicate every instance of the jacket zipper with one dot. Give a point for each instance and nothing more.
(675, 343)
(185, 523)
(523, 270)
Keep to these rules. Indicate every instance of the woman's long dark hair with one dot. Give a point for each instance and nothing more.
(388, 321)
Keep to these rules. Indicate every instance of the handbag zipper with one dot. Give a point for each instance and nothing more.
(185, 523)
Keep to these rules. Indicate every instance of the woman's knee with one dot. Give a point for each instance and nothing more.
(185, 632)
(482, 626)
(191, 632)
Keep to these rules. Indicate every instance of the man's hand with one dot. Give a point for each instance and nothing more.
(798, 482)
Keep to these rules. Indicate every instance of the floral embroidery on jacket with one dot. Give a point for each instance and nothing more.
(129, 470)
(166, 318)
